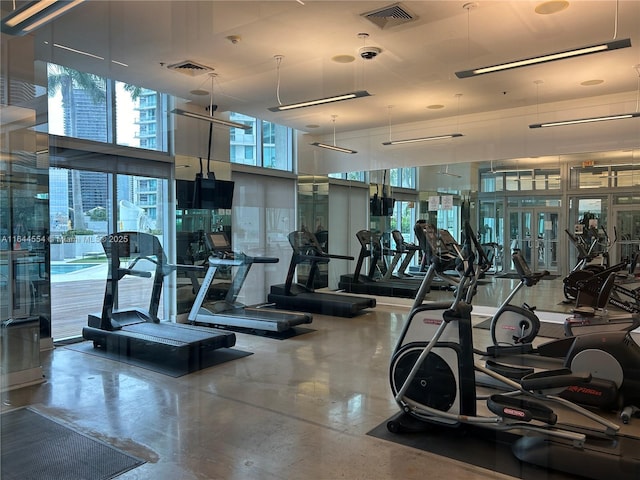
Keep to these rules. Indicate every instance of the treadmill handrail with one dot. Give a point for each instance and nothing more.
(337, 257)
(225, 262)
(241, 260)
(264, 259)
(135, 273)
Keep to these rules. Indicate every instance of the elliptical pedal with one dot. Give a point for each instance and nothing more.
(523, 409)
(509, 371)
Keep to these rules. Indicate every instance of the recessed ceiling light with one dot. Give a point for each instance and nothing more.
(199, 92)
(589, 83)
(343, 58)
(553, 6)
(435, 107)
(312, 125)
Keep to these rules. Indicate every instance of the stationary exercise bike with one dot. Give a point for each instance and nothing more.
(617, 378)
(432, 376)
(513, 324)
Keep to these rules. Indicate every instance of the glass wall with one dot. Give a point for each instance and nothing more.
(24, 239)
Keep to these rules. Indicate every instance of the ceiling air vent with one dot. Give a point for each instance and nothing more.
(390, 16)
(190, 68)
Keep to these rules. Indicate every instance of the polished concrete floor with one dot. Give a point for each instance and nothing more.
(296, 409)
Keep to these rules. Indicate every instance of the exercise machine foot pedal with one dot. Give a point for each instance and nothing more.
(498, 350)
(509, 371)
(599, 392)
(561, 377)
(521, 409)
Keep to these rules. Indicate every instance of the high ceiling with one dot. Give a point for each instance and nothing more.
(412, 79)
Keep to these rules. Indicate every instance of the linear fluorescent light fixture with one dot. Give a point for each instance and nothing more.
(209, 118)
(333, 147)
(423, 139)
(576, 52)
(578, 121)
(321, 101)
(35, 14)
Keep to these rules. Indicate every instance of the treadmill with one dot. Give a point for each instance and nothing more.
(228, 312)
(403, 249)
(374, 282)
(295, 296)
(138, 333)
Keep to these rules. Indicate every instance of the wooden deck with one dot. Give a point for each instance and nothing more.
(72, 301)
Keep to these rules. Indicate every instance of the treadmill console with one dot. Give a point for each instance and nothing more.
(218, 244)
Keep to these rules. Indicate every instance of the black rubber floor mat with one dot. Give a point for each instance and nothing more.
(210, 359)
(480, 447)
(35, 447)
(290, 333)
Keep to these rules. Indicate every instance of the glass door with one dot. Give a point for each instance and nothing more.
(535, 233)
(627, 222)
(491, 232)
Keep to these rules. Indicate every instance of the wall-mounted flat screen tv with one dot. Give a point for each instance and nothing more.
(184, 194)
(204, 193)
(223, 194)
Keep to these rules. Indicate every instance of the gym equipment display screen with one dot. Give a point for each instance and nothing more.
(218, 241)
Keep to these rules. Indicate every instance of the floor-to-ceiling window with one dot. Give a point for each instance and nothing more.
(86, 205)
(94, 194)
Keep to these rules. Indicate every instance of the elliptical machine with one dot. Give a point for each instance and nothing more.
(432, 376)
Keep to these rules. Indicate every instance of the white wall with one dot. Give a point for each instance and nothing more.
(263, 215)
(348, 213)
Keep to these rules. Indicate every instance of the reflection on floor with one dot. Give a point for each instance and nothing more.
(296, 409)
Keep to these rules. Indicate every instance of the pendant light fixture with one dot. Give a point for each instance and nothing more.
(334, 147)
(447, 173)
(310, 103)
(578, 121)
(551, 57)
(423, 139)
(420, 139)
(603, 118)
(576, 52)
(35, 14)
(210, 118)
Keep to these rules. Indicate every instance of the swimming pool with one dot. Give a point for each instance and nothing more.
(61, 269)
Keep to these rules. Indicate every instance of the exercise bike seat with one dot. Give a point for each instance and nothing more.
(524, 272)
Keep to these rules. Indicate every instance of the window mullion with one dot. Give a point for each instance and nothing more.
(111, 117)
(259, 143)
